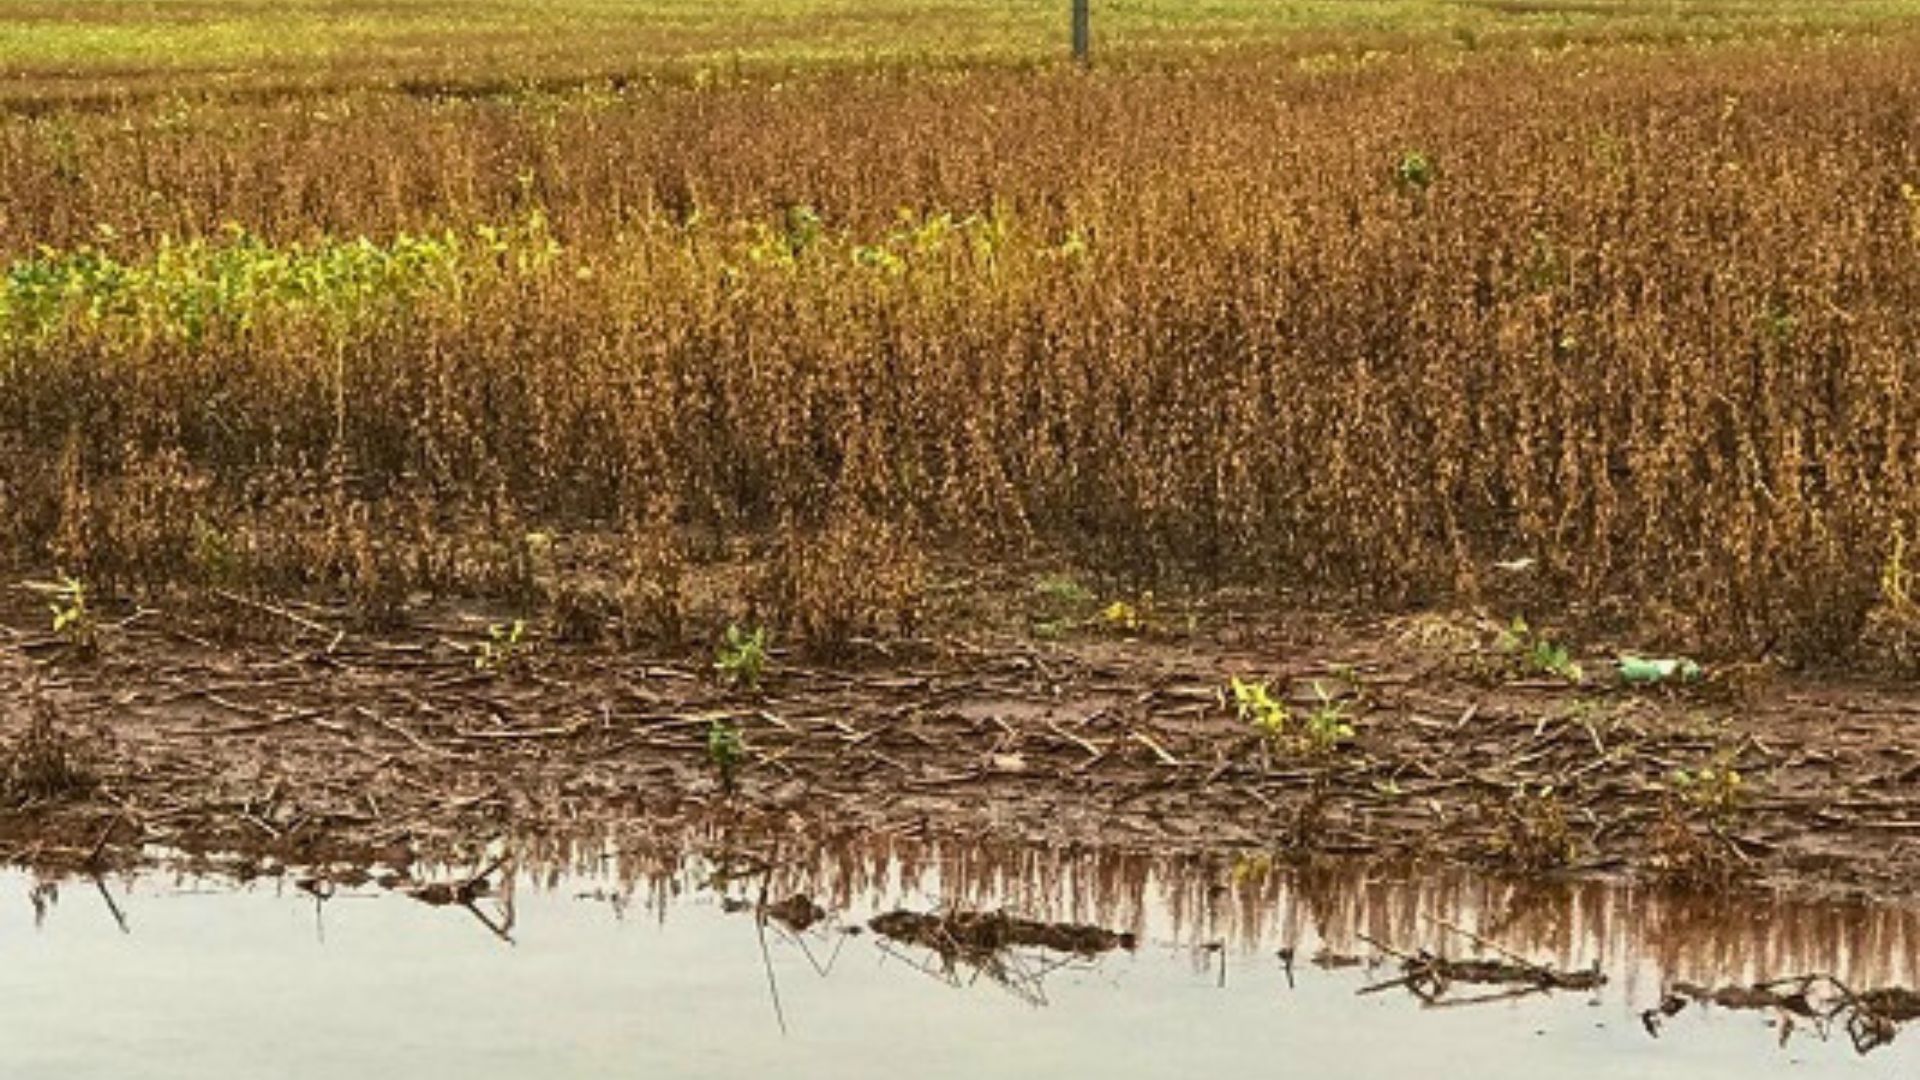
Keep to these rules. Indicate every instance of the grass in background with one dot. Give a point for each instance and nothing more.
(52, 50)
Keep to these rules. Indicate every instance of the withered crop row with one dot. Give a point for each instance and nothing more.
(1651, 320)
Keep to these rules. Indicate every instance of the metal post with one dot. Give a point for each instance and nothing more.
(1082, 30)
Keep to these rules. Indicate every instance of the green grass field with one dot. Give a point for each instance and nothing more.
(51, 49)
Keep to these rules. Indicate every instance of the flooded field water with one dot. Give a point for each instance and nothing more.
(710, 967)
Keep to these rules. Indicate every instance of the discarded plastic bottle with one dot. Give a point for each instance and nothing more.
(1643, 670)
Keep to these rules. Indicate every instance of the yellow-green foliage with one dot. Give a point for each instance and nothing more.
(236, 281)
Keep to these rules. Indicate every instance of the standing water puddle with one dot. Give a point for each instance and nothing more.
(864, 964)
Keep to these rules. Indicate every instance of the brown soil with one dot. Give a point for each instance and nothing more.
(310, 748)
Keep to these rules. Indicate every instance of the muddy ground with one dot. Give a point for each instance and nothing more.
(293, 741)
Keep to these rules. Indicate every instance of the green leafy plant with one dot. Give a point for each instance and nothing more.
(1897, 588)
(1550, 658)
(1062, 591)
(742, 658)
(216, 556)
(1538, 654)
(1256, 705)
(1777, 324)
(1715, 789)
(725, 750)
(1122, 617)
(801, 229)
(1060, 604)
(1415, 171)
(73, 620)
(505, 646)
(193, 289)
(1328, 725)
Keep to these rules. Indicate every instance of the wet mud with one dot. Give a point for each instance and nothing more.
(306, 749)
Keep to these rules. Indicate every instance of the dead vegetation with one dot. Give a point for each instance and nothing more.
(1434, 978)
(960, 934)
(1531, 832)
(463, 891)
(42, 762)
(1869, 1018)
(360, 349)
(1015, 953)
(1692, 854)
(797, 913)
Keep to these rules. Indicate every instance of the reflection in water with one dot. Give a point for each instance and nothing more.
(1020, 924)
(1565, 936)
(1648, 937)
(1870, 1017)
